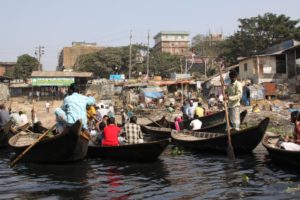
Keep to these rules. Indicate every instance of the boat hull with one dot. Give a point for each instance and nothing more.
(243, 141)
(143, 152)
(67, 147)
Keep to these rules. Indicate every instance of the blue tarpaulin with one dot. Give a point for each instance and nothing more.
(152, 92)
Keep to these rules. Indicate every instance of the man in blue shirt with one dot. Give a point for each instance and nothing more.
(74, 107)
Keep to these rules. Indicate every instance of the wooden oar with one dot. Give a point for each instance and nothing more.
(32, 113)
(32, 145)
(230, 152)
(154, 122)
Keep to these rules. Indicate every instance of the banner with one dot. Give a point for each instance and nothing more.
(52, 81)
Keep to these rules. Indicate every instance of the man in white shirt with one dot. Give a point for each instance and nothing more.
(196, 124)
(191, 110)
(102, 110)
(24, 118)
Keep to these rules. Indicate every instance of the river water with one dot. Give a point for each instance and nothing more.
(190, 175)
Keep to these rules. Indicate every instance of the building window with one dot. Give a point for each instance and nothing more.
(245, 67)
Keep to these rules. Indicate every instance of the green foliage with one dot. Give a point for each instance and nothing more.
(24, 66)
(245, 179)
(163, 62)
(176, 151)
(116, 60)
(258, 33)
(9, 73)
(206, 45)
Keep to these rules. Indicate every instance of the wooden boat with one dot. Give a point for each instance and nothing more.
(143, 152)
(243, 141)
(68, 146)
(8, 132)
(279, 155)
(220, 127)
(155, 131)
(208, 120)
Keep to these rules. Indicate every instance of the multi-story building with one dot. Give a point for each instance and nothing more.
(7, 67)
(69, 55)
(174, 42)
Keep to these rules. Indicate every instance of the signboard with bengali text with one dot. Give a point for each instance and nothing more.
(52, 81)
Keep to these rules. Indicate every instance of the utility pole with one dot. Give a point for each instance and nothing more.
(39, 51)
(148, 55)
(130, 50)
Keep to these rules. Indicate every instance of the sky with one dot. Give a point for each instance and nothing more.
(55, 24)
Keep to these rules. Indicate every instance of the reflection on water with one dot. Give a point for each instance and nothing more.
(190, 175)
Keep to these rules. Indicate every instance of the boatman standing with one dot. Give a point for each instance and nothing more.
(233, 96)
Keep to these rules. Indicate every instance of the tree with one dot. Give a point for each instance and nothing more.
(206, 45)
(163, 62)
(258, 33)
(116, 60)
(24, 66)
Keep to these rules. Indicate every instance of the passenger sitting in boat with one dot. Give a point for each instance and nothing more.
(177, 122)
(91, 115)
(4, 117)
(105, 119)
(16, 119)
(196, 124)
(97, 138)
(111, 133)
(133, 133)
(24, 117)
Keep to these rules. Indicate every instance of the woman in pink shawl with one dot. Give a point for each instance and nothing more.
(177, 122)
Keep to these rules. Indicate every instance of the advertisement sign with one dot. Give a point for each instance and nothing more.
(52, 81)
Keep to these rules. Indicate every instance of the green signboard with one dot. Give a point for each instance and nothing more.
(52, 81)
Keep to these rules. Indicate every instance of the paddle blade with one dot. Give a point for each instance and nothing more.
(230, 153)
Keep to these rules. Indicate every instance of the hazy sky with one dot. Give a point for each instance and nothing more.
(54, 24)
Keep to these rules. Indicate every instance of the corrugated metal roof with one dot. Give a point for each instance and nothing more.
(60, 74)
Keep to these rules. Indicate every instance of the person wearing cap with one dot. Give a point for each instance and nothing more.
(233, 96)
